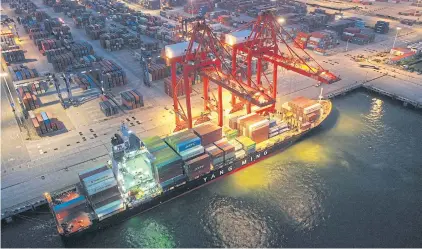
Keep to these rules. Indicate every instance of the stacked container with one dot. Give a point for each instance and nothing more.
(132, 99)
(382, 27)
(49, 44)
(228, 150)
(54, 52)
(301, 40)
(216, 156)
(197, 166)
(186, 143)
(208, 133)
(230, 134)
(13, 55)
(194, 7)
(94, 31)
(43, 122)
(62, 61)
(322, 40)
(158, 71)
(80, 49)
(111, 41)
(108, 108)
(20, 72)
(167, 163)
(29, 100)
(168, 87)
(111, 74)
(248, 145)
(82, 80)
(38, 87)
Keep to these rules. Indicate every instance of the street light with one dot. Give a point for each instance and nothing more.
(395, 38)
(281, 20)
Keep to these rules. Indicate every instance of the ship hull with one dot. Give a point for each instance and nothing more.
(186, 187)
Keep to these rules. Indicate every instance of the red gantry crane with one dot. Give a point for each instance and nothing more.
(206, 56)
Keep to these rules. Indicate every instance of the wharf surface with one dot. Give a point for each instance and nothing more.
(24, 183)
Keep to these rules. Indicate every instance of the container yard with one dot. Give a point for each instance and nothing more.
(205, 105)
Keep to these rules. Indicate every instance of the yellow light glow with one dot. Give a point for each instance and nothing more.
(281, 20)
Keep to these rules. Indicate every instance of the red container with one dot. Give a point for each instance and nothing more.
(260, 135)
(209, 133)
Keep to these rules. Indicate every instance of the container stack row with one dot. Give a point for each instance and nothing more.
(7, 38)
(94, 31)
(13, 55)
(132, 99)
(50, 54)
(187, 144)
(382, 27)
(62, 61)
(111, 41)
(168, 89)
(131, 41)
(21, 72)
(44, 122)
(158, 71)
(49, 44)
(254, 126)
(322, 40)
(29, 100)
(228, 150)
(358, 36)
(111, 74)
(167, 163)
(195, 6)
(108, 108)
(38, 87)
(80, 49)
(303, 111)
(83, 81)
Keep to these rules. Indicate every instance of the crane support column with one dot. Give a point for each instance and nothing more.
(249, 77)
(175, 96)
(275, 67)
(205, 83)
(220, 106)
(187, 92)
(234, 66)
(258, 71)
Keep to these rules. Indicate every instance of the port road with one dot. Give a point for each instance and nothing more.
(53, 162)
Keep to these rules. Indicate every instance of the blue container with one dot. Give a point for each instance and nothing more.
(188, 144)
(19, 75)
(46, 120)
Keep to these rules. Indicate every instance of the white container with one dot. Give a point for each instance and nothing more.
(273, 134)
(178, 49)
(237, 37)
(312, 108)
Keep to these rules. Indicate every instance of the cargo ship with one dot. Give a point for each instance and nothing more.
(144, 173)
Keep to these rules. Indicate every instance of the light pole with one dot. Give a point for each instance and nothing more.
(395, 38)
(347, 44)
(11, 100)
